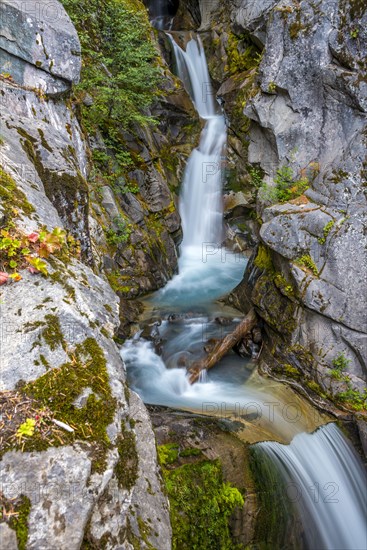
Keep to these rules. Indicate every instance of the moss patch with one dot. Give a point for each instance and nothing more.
(201, 503)
(126, 469)
(12, 198)
(307, 261)
(59, 388)
(19, 522)
(325, 232)
(52, 333)
(263, 259)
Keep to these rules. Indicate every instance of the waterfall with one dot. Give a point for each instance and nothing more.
(201, 198)
(323, 467)
(327, 483)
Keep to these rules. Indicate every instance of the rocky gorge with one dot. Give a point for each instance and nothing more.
(90, 224)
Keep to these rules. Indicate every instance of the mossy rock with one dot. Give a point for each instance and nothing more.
(201, 503)
(12, 198)
(59, 389)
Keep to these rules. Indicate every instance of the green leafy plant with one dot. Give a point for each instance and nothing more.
(340, 364)
(120, 232)
(353, 398)
(120, 71)
(326, 230)
(21, 251)
(354, 33)
(286, 187)
(27, 428)
(256, 175)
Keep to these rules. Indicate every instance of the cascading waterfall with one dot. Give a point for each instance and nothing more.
(201, 199)
(318, 462)
(206, 268)
(329, 487)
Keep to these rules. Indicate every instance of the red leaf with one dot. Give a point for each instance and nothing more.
(3, 277)
(32, 270)
(33, 237)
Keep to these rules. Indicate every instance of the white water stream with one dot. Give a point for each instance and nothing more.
(327, 482)
(323, 460)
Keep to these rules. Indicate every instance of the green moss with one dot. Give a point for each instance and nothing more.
(263, 259)
(279, 312)
(12, 198)
(19, 523)
(283, 285)
(291, 371)
(200, 505)
(44, 362)
(307, 261)
(274, 509)
(118, 281)
(167, 454)
(59, 388)
(126, 469)
(52, 333)
(145, 531)
(326, 230)
(191, 452)
(67, 192)
(43, 140)
(242, 55)
(353, 399)
(58, 277)
(315, 387)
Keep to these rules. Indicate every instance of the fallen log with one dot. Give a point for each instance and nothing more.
(222, 347)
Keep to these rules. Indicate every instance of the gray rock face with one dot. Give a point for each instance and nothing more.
(43, 151)
(311, 112)
(39, 45)
(8, 537)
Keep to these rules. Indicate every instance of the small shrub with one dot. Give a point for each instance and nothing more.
(256, 175)
(286, 187)
(120, 233)
(340, 363)
(20, 251)
(353, 398)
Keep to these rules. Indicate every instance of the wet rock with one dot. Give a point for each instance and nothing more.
(151, 332)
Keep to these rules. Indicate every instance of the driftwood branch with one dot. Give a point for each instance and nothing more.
(222, 347)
